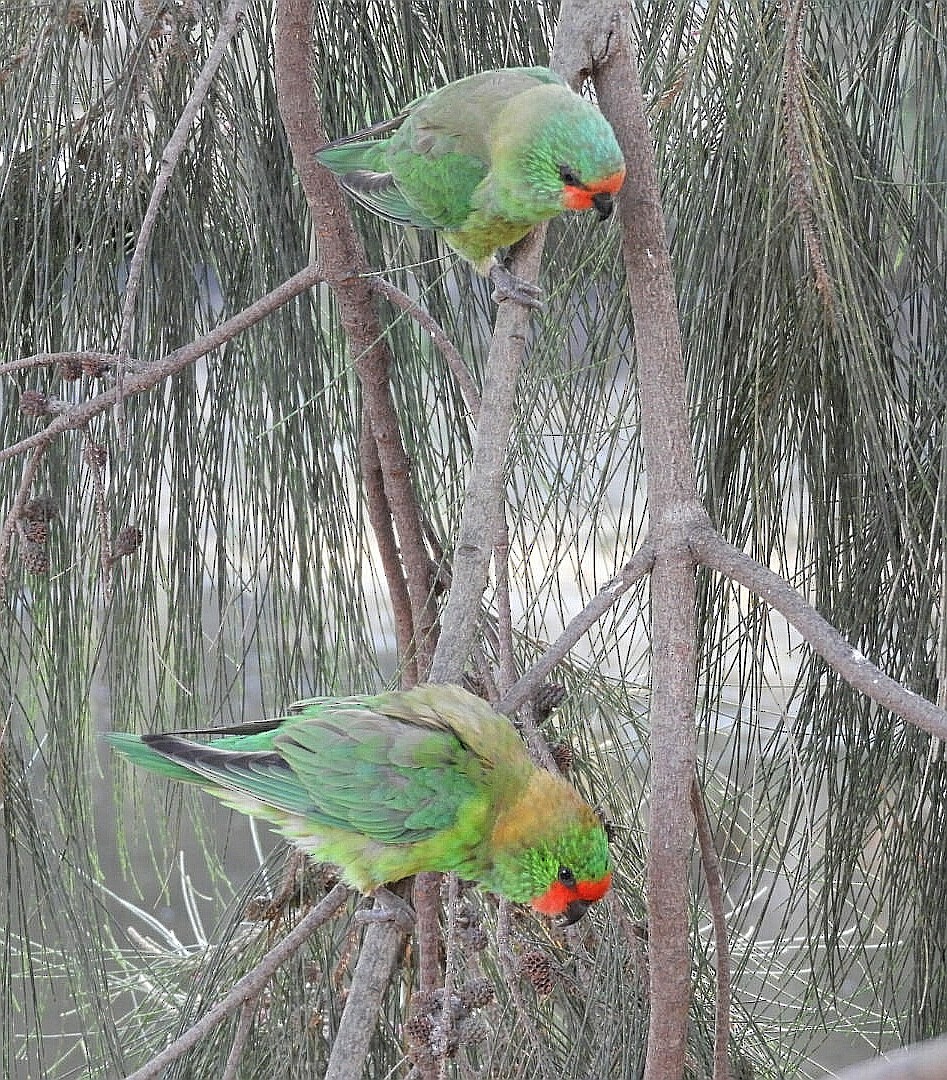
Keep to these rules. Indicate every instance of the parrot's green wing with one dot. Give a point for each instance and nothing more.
(361, 165)
(425, 174)
(390, 775)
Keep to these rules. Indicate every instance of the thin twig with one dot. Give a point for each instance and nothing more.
(240, 1038)
(82, 356)
(636, 568)
(715, 893)
(450, 965)
(379, 517)
(712, 550)
(506, 675)
(8, 528)
(229, 25)
(248, 987)
(438, 335)
(151, 374)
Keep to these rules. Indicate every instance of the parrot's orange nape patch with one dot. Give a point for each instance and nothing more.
(558, 897)
(582, 198)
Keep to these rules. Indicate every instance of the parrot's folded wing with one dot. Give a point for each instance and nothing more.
(349, 769)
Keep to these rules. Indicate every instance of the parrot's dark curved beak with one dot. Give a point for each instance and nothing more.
(575, 910)
(604, 204)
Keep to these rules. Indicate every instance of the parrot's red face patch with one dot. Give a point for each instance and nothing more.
(559, 896)
(582, 196)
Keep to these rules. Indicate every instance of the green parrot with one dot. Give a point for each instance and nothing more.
(392, 785)
(484, 159)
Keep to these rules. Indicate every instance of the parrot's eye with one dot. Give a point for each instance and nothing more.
(568, 177)
(567, 877)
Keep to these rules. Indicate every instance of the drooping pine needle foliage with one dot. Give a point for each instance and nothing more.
(818, 428)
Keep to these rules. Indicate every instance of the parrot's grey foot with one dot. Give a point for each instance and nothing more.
(507, 286)
(389, 907)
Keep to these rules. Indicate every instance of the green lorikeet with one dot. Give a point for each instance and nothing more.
(485, 159)
(388, 786)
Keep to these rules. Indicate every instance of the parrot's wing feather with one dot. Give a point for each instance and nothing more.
(361, 167)
(344, 765)
(261, 774)
(379, 193)
(457, 118)
(391, 780)
(383, 127)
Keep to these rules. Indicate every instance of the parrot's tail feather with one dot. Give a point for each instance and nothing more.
(383, 127)
(249, 727)
(202, 758)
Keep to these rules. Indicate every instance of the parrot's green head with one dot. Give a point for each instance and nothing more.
(551, 851)
(554, 151)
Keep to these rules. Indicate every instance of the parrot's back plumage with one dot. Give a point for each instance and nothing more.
(388, 786)
(484, 159)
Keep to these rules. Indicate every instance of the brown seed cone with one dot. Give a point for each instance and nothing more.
(37, 532)
(34, 403)
(476, 994)
(96, 455)
(127, 541)
(534, 966)
(419, 1029)
(563, 757)
(34, 558)
(42, 508)
(70, 370)
(93, 367)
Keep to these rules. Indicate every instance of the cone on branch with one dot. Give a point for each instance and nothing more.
(563, 756)
(95, 455)
(34, 557)
(93, 367)
(42, 508)
(36, 532)
(70, 369)
(34, 403)
(535, 967)
(128, 541)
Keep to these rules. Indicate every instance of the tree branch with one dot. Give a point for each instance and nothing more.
(438, 335)
(634, 570)
(602, 30)
(713, 551)
(343, 258)
(711, 867)
(143, 378)
(240, 1038)
(248, 987)
(921, 1061)
(479, 523)
(229, 25)
(150, 374)
(95, 356)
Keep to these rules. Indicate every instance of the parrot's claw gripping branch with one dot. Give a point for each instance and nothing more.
(507, 286)
(389, 907)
